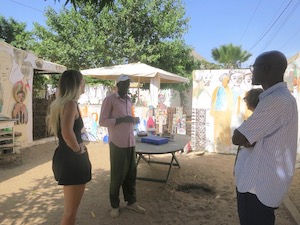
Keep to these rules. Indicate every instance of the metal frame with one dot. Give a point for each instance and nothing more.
(148, 161)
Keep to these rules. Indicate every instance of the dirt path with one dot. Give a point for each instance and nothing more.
(200, 192)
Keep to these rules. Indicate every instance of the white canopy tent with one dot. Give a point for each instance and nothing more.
(139, 72)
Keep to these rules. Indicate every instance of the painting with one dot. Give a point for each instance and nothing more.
(218, 107)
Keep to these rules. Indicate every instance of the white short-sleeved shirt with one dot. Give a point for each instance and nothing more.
(242, 157)
(269, 167)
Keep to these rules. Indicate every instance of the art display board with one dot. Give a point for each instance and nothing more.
(218, 108)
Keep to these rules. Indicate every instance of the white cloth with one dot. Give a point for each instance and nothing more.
(242, 157)
(268, 168)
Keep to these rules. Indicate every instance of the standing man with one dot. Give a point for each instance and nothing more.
(267, 171)
(116, 115)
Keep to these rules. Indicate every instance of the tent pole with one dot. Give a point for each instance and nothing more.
(138, 99)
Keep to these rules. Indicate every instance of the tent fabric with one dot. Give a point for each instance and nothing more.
(139, 72)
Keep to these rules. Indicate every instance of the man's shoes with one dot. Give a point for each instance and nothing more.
(136, 208)
(115, 212)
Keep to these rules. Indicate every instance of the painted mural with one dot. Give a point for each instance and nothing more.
(292, 74)
(292, 77)
(90, 106)
(17, 74)
(16, 78)
(152, 119)
(218, 107)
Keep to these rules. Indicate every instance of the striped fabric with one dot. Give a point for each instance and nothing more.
(268, 168)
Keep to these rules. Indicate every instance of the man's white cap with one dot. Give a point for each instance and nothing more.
(123, 77)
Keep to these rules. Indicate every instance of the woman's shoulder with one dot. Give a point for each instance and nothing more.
(71, 105)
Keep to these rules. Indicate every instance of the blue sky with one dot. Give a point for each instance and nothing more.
(256, 25)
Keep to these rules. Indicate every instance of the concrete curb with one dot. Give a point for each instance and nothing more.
(292, 209)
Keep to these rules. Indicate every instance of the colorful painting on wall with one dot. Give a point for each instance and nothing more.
(16, 78)
(16, 72)
(218, 107)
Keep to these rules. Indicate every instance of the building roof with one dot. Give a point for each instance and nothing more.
(198, 56)
(293, 58)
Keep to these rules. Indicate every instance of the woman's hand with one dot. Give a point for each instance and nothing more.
(83, 149)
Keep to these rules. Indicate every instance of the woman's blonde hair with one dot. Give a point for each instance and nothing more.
(69, 89)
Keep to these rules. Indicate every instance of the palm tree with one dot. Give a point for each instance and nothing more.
(230, 56)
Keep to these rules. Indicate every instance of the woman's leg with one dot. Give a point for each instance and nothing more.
(72, 198)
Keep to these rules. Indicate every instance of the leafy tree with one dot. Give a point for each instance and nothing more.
(99, 4)
(136, 31)
(230, 56)
(71, 39)
(130, 31)
(177, 58)
(14, 33)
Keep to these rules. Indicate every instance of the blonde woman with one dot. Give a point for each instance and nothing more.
(71, 165)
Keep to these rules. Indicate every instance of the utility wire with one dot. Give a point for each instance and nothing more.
(290, 39)
(20, 3)
(281, 25)
(259, 40)
(253, 14)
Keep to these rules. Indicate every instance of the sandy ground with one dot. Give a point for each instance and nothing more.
(201, 192)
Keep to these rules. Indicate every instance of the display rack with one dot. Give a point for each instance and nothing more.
(8, 145)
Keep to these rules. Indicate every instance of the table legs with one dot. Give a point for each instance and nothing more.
(174, 162)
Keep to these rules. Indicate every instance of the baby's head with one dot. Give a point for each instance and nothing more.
(251, 98)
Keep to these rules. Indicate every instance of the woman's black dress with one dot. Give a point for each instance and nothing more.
(70, 168)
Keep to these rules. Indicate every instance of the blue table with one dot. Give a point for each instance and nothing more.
(171, 147)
